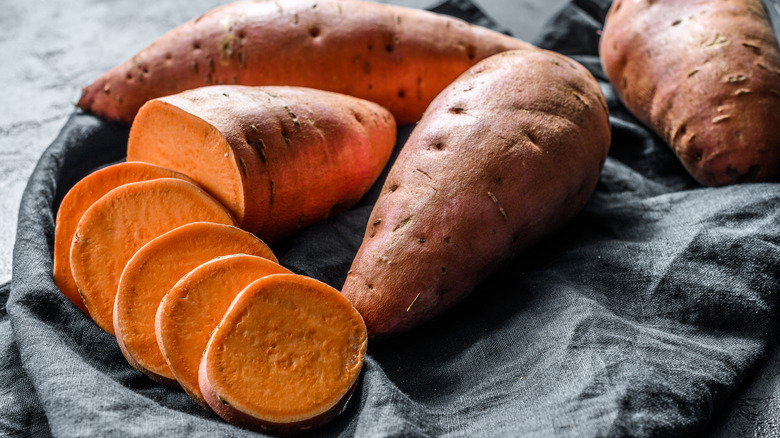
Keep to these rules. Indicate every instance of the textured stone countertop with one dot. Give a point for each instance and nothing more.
(53, 48)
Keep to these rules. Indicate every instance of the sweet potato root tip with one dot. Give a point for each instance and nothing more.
(307, 345)
(153, 270)
(78, 199)
(193, 307)
(263, 46)
(121, 222)
(512, 162)
(280, 158)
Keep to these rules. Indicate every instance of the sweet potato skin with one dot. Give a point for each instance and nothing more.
(398, 57)
(509, 151)
(299, 154)
(705, 76)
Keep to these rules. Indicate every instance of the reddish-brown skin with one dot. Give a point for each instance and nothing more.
(398, 57)
(705, 76)
(509, 151)
(295, 154)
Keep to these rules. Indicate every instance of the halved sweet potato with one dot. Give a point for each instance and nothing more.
(280, 158)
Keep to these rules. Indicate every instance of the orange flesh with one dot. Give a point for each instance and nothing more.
(173, 138)
(121, 222)
(288, 349)
(154, 269)
(191, 310)
(78, 199)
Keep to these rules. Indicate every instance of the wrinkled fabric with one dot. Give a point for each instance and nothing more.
(641, 317)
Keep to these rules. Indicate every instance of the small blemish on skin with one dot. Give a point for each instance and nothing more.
(413, 301)
(754, 48)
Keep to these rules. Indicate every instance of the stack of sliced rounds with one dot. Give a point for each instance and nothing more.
(78, 199)
(191, 310)
(120, 223)
(154, 269)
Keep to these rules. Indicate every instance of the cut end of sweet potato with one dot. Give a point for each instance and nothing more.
(171, 137)
(78, 199)
(285, 357)
(121, 222)
(193, 307)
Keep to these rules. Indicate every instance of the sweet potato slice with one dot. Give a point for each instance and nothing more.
(153, 270)
(121, 222)
(193, 307)
(507, 153)
(78, 199)
(285, 357)
(280, 158)
(395, 56)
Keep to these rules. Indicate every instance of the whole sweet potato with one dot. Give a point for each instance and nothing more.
(509, 151)
(397, 57)
(705, 75)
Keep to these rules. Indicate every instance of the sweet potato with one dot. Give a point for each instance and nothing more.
(705, 76)
(398, 57)
(286, 356)
(153, 270)
(78, 199)
(193, 307)
(508, 152)
(279, 158)
(121, 222)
